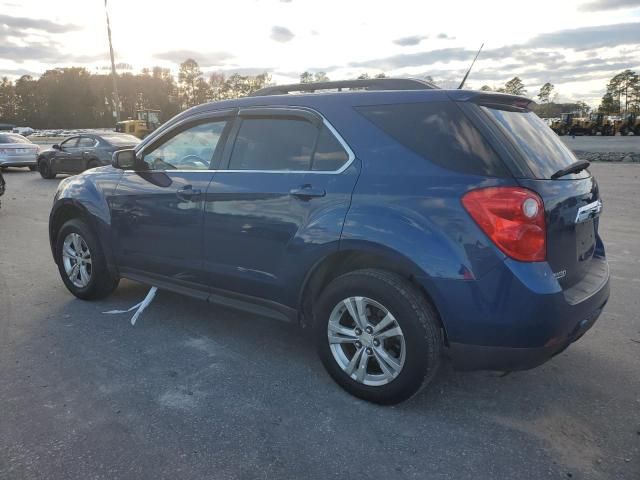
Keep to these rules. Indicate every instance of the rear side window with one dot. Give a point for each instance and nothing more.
(9, 138)
(541, 149)
(439, 132)
(329, 154)
(273, 144)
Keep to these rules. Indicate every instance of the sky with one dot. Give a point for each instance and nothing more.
(575, 44)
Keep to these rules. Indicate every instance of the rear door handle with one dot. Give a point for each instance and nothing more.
(187, 193)
(306, 192)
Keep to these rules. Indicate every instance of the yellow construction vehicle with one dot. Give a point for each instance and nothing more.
(600, 124)
(146, 121)
(564, 125)
(630, 124)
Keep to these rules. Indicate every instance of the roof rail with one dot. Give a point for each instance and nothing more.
(369, 84)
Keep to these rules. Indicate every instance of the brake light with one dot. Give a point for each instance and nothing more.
(513, 218)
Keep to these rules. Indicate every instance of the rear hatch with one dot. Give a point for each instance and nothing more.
(572, 201)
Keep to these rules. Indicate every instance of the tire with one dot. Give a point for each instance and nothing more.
(33, 168)
(45, 170)
(410, 311)
(93, 164)
(100, 281)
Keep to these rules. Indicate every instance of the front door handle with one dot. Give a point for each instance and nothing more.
(307, 192)
(187, 193)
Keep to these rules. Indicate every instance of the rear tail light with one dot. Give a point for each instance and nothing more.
(513, 218)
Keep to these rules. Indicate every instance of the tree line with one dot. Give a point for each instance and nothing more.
(622, 96)
(75, 98)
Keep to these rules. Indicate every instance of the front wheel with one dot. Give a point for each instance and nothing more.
(81, 262)
(377, 336)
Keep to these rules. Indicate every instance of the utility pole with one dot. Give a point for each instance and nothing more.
(116, 98)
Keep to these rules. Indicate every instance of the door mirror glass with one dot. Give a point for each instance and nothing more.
(55, 146)
(124, 159)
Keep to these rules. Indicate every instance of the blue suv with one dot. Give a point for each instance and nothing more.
(401, 223)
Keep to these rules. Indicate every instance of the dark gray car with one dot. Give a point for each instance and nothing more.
(82, 152)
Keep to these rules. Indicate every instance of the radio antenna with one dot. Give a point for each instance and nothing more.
(469, 71)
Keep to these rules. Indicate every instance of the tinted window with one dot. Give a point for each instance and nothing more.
(541, 148)
(329, 154)
(120, 140)
(190, 149)
(439, 132)
(86, 142)
(12, 138)
(273, 144)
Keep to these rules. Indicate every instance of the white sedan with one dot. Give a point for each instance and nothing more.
(17, 151)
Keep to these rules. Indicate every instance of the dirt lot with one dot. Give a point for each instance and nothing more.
(197, 391)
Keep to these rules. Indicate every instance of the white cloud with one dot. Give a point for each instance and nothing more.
(409, 37)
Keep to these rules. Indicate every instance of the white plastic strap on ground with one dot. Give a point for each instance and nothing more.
(139, 306)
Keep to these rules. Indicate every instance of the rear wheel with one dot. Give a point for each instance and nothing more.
(45, 169)
(81, 262)
(93, 164)
(377, 336)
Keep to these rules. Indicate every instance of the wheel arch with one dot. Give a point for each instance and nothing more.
(67, 209)
(348, 260)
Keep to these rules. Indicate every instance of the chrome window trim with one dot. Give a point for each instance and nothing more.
(351, 156)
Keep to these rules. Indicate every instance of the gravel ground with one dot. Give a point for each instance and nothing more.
(196, 391)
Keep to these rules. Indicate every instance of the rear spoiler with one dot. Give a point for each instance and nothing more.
(500, 100)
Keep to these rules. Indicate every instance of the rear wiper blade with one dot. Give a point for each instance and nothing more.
(575, 167)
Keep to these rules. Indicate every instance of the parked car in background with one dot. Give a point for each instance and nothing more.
(3, 186)
(17, 151)
(82, 152)
(400, 224)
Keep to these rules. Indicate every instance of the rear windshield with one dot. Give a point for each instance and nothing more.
(12, 138)
(439, 132)
(121, 139)
(541, 148)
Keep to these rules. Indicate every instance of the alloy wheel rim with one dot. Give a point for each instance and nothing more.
(366, 341)
(76, 259)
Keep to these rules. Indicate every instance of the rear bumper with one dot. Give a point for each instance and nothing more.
(518, 317)
(18, 161)
(477, 357)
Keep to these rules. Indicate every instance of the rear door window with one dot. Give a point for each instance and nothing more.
(541, 149)
(440, 133)
(86, 142)
(273, 144)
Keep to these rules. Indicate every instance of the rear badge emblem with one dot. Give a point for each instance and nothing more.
(560, 274)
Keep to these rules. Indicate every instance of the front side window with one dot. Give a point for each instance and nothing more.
(190, 149)
(69, 143)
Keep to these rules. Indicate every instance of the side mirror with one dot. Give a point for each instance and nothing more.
(56, 147)
(124, 159)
